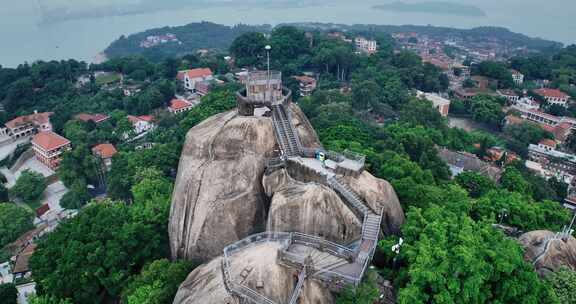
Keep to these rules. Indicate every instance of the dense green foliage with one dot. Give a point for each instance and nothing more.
(8, 293)
(157, 283)
(29, 186)
(564, 283)
(35, 299)
(453, 259)
(365, 293)
(193, 36)
(495, 70)
(97, 252)
(519, 136)
(14, 221)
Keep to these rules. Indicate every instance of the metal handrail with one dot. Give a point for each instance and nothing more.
(331, 247)
(298, 288)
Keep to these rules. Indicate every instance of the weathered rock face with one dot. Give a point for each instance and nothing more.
(260, 272)
(218, 196)
(551, 257)
(309, 208)
(379, 194)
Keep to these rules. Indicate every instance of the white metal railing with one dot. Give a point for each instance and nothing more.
(327, 246)
(298, 288)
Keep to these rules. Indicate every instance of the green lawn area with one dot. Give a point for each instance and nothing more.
(107, 78)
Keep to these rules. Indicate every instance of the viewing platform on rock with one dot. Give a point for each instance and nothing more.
(309, 256)
(262, 91)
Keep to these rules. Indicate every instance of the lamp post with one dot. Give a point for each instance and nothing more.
(502, 215)
(268, 48)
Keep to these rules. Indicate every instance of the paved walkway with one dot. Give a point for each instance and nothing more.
(31, 164)
(8, 146)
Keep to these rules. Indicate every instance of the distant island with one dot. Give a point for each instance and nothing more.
(174, 41)
(433, 7)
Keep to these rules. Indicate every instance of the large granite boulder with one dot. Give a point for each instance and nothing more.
(218, 196)
(379, 195)
(310, 208)
(548, 255)
(254, 267)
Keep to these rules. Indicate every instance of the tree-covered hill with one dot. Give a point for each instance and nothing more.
(484, 33)
(193, 36)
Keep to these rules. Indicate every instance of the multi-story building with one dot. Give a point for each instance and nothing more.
(540, 117)
(510, 95)
(307, 85)
(105, 152)
(48, 148)
(549, 162)
(517, 77)
(28, 125)
(440, 103)
(553, 96)
(368, 46)
(179, 105)
(190, 77)
(141, 123)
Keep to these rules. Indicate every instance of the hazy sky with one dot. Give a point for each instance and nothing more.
(26, 39)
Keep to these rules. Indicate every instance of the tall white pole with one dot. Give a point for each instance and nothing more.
(268, 48)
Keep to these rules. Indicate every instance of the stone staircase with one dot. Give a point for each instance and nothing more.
(350, 197)
(285, 131)
(371, 227)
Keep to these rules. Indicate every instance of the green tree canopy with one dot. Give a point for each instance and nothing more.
(91, 258)
(157, 283)
(14, 221)
(29, 186)
(8, 293)
(564, 283)
(477, 185)
(453, 259)
(520, 211)
(248, 49)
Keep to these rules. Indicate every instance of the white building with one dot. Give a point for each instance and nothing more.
(142, 123)
(553, 96)
(366, 45)
(178, 105)
(517, 77)
(190, 77)
(440, 103)
(28, 125)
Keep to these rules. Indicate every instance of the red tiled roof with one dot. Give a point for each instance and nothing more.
(92, 117)
(194, 73)
(104, 150)
(305, 79)
(49, 140)
(40, 211)
(548, 142)
(177, 104)
(38, 118)
(514, 120)
(134, 119)
(554, 93)
(147, 118)
(21, 263)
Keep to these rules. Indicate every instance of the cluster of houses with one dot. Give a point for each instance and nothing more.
(362, 44)
(545, 158)
(152, 41)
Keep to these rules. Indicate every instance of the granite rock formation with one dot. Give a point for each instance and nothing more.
(218, 196)
(548, 257)
(257, 267)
